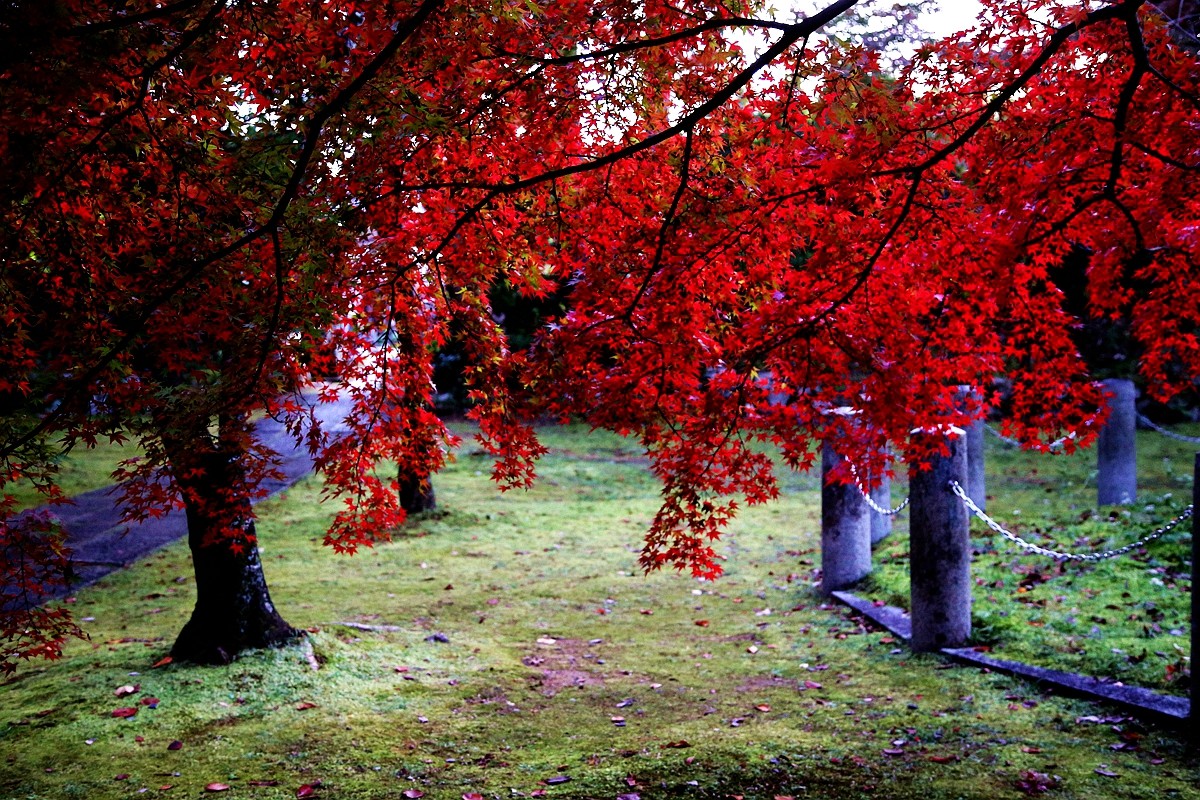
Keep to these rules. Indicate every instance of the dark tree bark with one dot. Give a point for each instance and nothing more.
(416, 493)
(233, 612)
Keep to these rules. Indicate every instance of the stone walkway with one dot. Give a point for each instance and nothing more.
(100, 543)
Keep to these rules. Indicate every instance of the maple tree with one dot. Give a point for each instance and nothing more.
(210, 204)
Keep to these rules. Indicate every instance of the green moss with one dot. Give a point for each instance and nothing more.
(539, 596)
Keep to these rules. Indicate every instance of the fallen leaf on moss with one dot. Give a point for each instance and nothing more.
(1033, 782)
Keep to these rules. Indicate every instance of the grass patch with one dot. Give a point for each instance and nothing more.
(509, 641)
(82, 470)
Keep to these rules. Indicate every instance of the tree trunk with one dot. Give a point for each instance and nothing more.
(416, 494)
(233, 610)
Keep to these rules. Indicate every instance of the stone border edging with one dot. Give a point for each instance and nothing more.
(1168, 709)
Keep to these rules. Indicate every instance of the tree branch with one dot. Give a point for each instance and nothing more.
(132, 19)
(650, 42)
(1057, 40)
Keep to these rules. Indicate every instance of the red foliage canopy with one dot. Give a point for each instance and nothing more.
(208, 204)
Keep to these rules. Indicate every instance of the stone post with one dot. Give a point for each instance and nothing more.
(976, 479)
(940, 551)
(845, 529)
(976, 484)
(1116, 452)
(881, 524)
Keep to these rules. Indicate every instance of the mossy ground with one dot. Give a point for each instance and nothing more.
(560, 659)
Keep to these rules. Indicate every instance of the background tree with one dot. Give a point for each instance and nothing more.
(1183, 17)
(233, 195)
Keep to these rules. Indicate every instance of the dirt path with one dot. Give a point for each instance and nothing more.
(101, 543)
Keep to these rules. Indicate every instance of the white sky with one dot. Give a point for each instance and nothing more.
(944, 18)
(951, 16)
(948, 16)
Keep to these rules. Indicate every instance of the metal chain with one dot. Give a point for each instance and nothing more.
(1057, 443)
(1142, 418)
(878, 509)
(958, 490)
(1167, 432)
(1008, 441)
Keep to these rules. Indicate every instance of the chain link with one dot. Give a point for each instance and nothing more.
(1142, 418)
(1166, 431)
(1005, 439)
(958, 490)
(1057, 443)
(878, 509)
